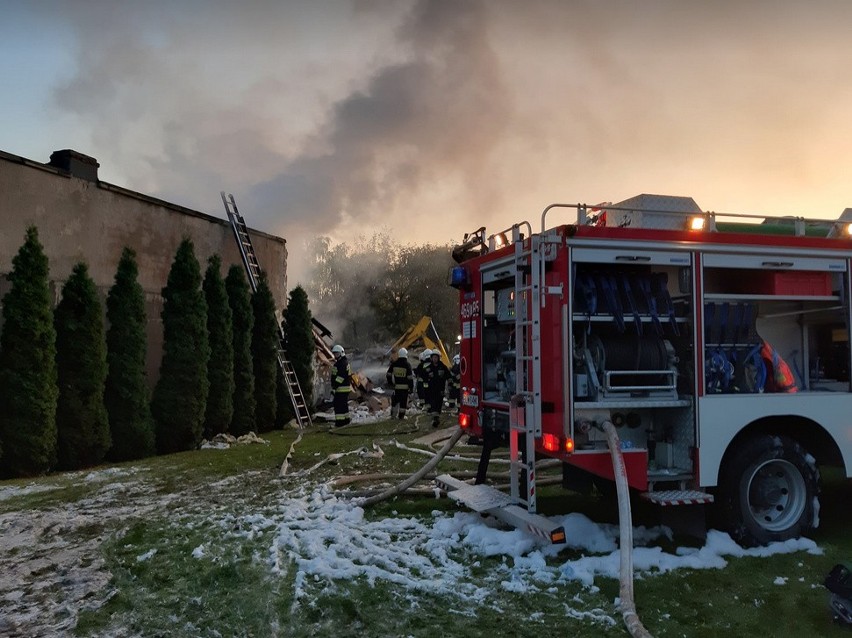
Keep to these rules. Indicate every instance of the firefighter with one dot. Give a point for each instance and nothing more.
(400, 377)
(420, 375)
(454, 384)
(341, 385)
(436, 376)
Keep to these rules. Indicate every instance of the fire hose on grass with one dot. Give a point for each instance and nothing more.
(625, 524)
(625, 520)
(411, 480)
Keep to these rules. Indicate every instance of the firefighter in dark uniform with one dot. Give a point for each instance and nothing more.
(341, 385)
(454, 384)
(436, 376)
(420, 376)
(400, 377)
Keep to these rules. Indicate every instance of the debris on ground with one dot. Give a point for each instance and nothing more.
(363, 452)
(223, 441)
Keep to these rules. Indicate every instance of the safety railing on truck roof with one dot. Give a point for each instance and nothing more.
(599, 214)
(504, 237)
(606, 214)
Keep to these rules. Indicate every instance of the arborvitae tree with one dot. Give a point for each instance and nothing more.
(220, 370)
(126, 396)
(81, 418)
(180, 397)
(28, 391)
(239, 299)
(299, 340)
(264, 352)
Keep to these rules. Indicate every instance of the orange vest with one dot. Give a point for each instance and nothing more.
(779, 377)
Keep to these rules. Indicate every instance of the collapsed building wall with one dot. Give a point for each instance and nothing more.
(81, 218)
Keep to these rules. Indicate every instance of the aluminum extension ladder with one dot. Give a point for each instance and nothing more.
(525, 405)
(531, 255)
(238, 225)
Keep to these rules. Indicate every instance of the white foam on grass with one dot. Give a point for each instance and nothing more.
(13, 491)
(330, 541)
(146, 556)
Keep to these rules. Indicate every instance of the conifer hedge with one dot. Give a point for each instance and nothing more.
(180, 396)
(264, 352)
(81, 418)
(126, 395)
(243, 420)
(28, 391)
(299, 340)
(220, 369)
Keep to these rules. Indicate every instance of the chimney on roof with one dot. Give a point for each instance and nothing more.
(75, 164)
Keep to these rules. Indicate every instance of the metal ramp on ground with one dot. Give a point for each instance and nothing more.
(241, 234)
(488, 500)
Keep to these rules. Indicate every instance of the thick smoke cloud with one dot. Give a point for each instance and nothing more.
(418, 120)
(435, 115)
(431, 118)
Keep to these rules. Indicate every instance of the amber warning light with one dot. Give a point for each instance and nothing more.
(697, 223)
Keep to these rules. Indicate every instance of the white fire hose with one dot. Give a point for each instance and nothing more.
(625, 525)
(411, 480)
(625, 520)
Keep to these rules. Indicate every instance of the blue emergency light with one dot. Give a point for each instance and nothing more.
(459, 277)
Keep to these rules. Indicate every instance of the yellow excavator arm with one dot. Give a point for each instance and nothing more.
(424, 330)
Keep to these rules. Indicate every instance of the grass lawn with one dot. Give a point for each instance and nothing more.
(189, 545)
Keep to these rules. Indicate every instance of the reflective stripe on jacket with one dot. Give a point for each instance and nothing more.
(421, 371)
(341, 378)
(400, 375)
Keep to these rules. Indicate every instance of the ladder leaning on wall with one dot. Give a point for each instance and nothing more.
(238, 225)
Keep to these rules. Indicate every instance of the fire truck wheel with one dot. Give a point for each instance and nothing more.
(769, 489)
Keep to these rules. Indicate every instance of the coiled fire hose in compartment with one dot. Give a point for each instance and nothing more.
(625, 526)
(419, 474)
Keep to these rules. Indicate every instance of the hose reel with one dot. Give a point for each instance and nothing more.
(620, 366)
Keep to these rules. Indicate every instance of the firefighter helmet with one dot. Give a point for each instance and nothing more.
(456, 359)
(425, 354)
(403, 352)
(337, 350)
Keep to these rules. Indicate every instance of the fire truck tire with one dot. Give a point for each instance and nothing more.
(768, 491)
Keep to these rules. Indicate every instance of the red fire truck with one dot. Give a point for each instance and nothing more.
(718, 345)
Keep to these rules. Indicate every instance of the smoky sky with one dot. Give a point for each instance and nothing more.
(433, 117)
(443, 107)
